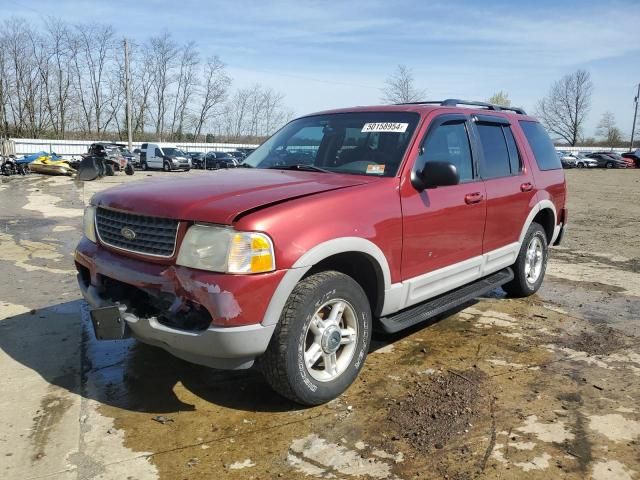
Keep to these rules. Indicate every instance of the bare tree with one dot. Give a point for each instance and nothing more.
(213, 92)
(163, 53)
(274, 115)
(4, 92)
(57, 38)
(565, 108)
(67, 80)
(608, 130)
(187, 81)
(500, 98)
(400, 87)
(142, 73)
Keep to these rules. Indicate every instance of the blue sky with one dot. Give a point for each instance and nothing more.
(324, 54)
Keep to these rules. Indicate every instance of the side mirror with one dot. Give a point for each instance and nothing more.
(435, 174)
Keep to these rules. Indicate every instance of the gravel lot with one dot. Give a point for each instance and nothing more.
(544, 387)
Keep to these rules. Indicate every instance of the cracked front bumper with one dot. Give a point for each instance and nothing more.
(233, 346)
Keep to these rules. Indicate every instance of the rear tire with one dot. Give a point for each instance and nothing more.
(144, 166)
(321, 341)
(531, 263)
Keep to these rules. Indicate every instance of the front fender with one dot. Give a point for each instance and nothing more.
(312, 257)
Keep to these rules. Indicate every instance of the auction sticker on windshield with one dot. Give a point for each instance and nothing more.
(390, 127)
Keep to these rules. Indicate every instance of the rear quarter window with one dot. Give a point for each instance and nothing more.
(541, 145)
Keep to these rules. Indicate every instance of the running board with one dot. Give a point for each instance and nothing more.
(429, 309)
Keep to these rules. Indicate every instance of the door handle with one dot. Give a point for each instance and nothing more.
(471, 198)
(526, 187)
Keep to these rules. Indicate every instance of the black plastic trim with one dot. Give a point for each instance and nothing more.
(429, 309)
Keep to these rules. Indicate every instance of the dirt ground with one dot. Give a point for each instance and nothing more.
(544, 387)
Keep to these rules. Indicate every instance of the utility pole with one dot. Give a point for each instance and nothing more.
(635, 116)
(127, 86)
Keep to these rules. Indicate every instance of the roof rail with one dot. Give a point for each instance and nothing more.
(454, 102)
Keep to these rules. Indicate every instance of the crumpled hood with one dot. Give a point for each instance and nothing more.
(219, 197)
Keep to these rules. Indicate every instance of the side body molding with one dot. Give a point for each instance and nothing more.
(404, 294)
(316, 255)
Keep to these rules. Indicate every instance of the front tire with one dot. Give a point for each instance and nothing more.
(321, 341)
(609, 165)
(144, 166)
(530, 265)
(166, 166)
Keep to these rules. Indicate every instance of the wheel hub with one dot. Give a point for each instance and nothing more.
(331, 339)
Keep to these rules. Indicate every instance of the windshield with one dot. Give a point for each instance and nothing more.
(173, 152)
(362, 143)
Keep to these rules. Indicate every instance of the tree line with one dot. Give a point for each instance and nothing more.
(563, 110)
(64, 80)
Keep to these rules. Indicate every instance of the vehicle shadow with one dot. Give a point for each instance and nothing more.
(57, 342)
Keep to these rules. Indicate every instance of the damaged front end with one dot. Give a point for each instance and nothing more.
(202, 317)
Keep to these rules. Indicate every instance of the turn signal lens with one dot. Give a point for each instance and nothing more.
(251, 252)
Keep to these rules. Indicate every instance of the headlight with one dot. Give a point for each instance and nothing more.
(222, 249)
(89, 223)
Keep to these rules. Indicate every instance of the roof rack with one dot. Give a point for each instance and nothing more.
(454, 102)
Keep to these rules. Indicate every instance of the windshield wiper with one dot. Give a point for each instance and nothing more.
(300, 166)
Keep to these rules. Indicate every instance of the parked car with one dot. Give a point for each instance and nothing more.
(216, 160)
(403, 212)
(245, 150)
(630, 163)
(634, 156)
(238, 155)
(197, 159)
(582, 161)
(579, 160)
(163, 156)
(566, 159)
(136, 157)
(607, 160)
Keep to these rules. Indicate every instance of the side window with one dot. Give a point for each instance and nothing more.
(143, 146)
(514, 155)
(449, 142)
(158, 153)
(495, 162)
(541, 145)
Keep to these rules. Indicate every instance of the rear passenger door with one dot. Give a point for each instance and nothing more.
(509, 186)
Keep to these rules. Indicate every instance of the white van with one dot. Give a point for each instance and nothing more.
(163, 155)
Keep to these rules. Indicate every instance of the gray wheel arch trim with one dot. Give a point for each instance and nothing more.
(541, 205)
(312, 257)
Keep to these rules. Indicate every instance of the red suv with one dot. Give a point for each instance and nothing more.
(343, 222)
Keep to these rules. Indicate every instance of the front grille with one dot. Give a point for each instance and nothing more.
(153, 236)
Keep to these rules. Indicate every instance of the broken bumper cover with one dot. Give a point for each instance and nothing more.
(222, 347)
(225, 347)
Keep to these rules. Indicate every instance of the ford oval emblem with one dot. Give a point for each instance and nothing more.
(127, 233)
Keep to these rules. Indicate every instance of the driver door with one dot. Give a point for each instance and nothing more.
(443, 227)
